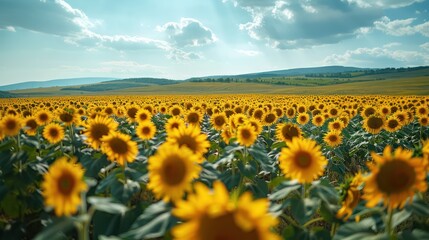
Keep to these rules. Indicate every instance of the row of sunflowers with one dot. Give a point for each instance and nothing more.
(214, 167)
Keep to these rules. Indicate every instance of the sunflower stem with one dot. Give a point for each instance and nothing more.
(334, 229)
(389, 227)
(312, 221)
(290, 220)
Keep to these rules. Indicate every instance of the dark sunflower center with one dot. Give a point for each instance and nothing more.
(174, 170)
(32, 124)
(99, 130)
(375, 122)
(258, 114)
(143, 117)
(392, 123)
(246, 134)
(395, 177)
(369, 111)
(303, 159)
(66, 117)
(132, 112)
(188, 141)
(175, 125)
(175, 111)
(219, 121)
(43, 117)
(108, 111)
(333, 112)
(193, 118)
(289, 132)
(53, 132)
(224, 227)
(333, 138)
(11, 124)
(146, 130)
(118, 145)
(270, 118)
(336, 125)
(66, 184)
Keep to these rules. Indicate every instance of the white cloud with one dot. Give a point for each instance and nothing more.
(49, 16)
(375, 56)
(188, 32)
(425, 46)
(384, 3)
(249, 53)
(392, 45)
(303, 24)
(8, 28)
(179, 55)
(401, 27)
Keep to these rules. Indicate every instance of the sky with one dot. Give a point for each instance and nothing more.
(53, 39)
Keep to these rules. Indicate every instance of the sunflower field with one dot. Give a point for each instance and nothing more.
(214, 167)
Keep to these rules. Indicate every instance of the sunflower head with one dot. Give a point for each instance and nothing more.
(174, 123)
(11, 125)
(333, 138)
(227, 133)
(374, 124)
(193, 118)
(97, 128)
(246, 135)
(336, 125)
(119, 147)
(43, 117)
(218, 120)
(190, 137)
(350, 196)
(212, 214)
(53, 133)
(62, 185)
(318, 120)
(67, 116)
(302, 160)
(303, 118)
(269, 118)
(172, 170)
(143, 115)
(131, 113)
(146, 130)
(30, 126)
(392, 124)
(424, 120)
(394, 178)
(287, 131)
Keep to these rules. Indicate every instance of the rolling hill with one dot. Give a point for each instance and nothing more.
(54, 83)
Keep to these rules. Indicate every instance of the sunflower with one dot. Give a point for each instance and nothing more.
(43, 117)
(394, 178)
(303, 118)
(373, 124)
(255, 124)
(350, 196)
(269, 118)
(11, 125)
(53, 133)
(68, 117)
(337, 125)
(176, 110)
(318, 120)
(146, 130)
(212, 214)
(425, 151)
(143, 115)
(424, 121)
(97, 128)
(173, 123)
(368, 111)
(193, 118)
(422, 111)
(226, 134)
(218, 120)
(171, 171)
(392, 124)
(402, 117)
(333, 138)
(258, 113)
(192, 138)
(287, 131)
(30, 126)
(246, 135)
(119, 147)
(62, 185)
(302, 160)
(131, 113)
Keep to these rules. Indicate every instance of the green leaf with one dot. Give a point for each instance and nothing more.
(400, 217)
(155, 221)
(107, 205)
(419, 207)
(124, 191)
(52, 231)
(283, 190)
(416, 234)
(357, 230)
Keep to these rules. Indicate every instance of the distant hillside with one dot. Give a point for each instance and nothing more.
(4, 94)
(54, 83)
(288, 72)
(121, 84)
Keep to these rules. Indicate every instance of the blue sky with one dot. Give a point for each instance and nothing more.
(50, 39)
